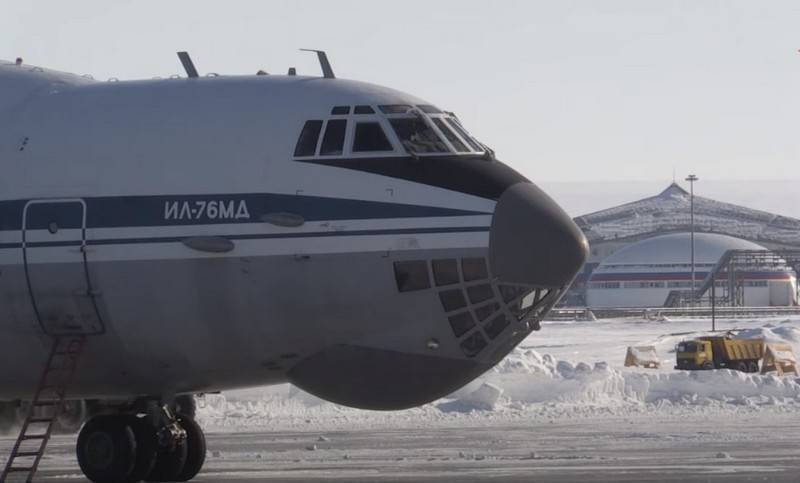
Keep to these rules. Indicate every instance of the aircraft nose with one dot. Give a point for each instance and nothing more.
(533, 241)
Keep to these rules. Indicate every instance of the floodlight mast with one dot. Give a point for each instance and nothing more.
(691, 179)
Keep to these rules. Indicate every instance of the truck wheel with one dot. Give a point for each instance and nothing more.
(753, 366)
(707, 366)
(742, 367)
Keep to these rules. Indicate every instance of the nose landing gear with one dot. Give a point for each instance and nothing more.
(158, 446)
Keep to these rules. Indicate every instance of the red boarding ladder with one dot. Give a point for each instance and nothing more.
(37, 428)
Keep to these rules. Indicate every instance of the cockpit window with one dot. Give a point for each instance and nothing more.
(451, 136)
(307, 144)
(465, 135)
(370, 137)
(395, 108)
(340, 110)
(429, 109)
(364, 110)
(417, 136)
(333, 141)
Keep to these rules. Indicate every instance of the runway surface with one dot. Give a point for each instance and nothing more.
(702, 447)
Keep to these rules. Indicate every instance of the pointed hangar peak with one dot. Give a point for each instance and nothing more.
(674, 190)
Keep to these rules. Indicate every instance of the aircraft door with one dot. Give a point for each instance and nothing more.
(53, 244)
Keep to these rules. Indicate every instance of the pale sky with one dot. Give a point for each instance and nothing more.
(564, 91)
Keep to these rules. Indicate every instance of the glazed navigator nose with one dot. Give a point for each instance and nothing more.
(533, 241)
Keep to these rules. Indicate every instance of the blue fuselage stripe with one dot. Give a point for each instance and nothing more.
(186, 210)
(272, 236)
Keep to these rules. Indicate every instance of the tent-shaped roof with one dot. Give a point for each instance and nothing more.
(669, 211)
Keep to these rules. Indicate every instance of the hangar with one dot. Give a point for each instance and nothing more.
(645, 273)
(669, 212)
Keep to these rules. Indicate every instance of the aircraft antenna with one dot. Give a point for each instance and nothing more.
(327, 71)
(188, 65)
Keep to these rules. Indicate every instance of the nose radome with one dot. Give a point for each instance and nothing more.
(533, 241)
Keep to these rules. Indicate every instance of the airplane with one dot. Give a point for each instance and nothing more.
(179, 236)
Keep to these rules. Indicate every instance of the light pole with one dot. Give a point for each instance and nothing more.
(691, 179)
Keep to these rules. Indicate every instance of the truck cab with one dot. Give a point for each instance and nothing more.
(694, 354)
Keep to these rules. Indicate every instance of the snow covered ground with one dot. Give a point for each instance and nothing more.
(561, 408)
(567, 370)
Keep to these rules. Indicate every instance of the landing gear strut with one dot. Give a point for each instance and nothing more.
(129, 447)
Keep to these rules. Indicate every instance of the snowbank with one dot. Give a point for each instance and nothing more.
(531, 382)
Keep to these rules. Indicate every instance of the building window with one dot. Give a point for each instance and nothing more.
(307, 144)
(412, 275)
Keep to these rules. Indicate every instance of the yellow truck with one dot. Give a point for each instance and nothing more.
(718, 352)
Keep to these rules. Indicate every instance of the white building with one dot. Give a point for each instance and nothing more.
(644, 273)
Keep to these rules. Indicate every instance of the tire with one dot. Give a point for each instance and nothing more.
(742, 367)
(169, 464)
(146, 448)
(707, 366)
(106, 449)
(196, 446)
(753, 366)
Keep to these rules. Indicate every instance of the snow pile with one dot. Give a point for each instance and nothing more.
(527, 377)
(551, 381)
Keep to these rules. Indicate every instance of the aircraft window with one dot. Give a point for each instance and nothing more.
(411, 275)
(479, 293)
(483, 312)
(333, 140)
(496, 326)
(429, 109)
(417, 137)
(511, 292)
(445, 272)
(364, 110)
(461, 323)
(465, 135)
(474, 269)
(451, 136)
(395, 108)
(340, 110)
(307, 144)
(452, 300)
(370, 137)
(473, 344)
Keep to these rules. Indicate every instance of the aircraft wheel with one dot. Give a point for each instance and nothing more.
(146, 448)
(169, 464)
(196, 446)
(106, 449)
